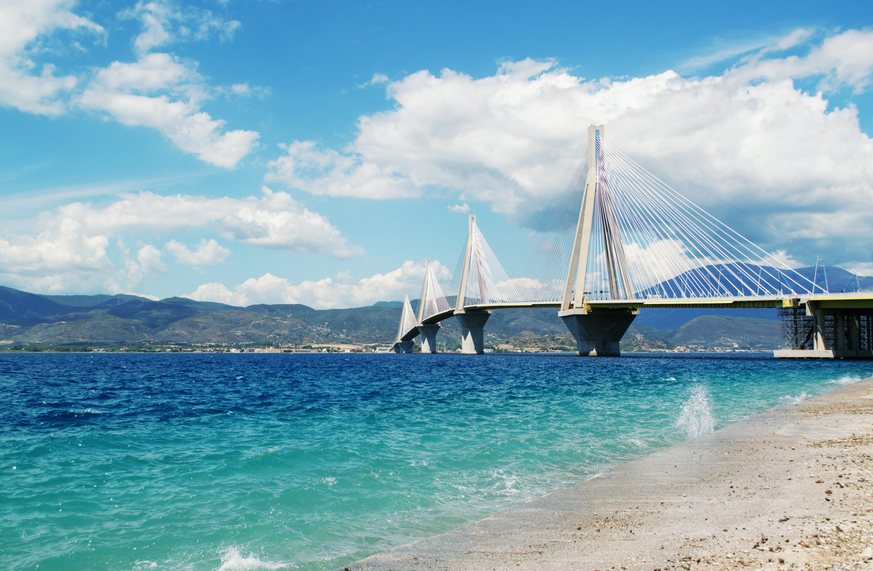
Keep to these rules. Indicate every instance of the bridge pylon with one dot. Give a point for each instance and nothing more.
(597, 332)
(472, 322)
(427, 331)
(406, 333)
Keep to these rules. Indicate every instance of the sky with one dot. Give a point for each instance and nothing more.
(320, 152)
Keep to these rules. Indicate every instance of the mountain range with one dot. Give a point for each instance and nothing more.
(34, 320)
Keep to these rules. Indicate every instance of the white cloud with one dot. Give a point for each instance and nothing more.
(375, 80)
(61, 258)
(327, 172)
(63, 247)
(161, 92)
(149, 259)
(148, 262)
(163, 22)
(206, 253)
(69, 249)
(341, 291)
(463, 208)
(748, 135)
(23, 84)
(275, 221)
(747, 47)
(156, 91)
(240, 89)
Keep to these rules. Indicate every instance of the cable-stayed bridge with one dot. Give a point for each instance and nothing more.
(637, 244)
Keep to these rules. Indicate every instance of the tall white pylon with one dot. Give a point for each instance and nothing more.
(433, 300)
(596, 197)
(465, 272)
(483, 279)
(407, 324)
(597, 334)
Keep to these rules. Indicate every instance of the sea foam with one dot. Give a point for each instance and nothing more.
(845, 380)
(696, 416)
(233, 560)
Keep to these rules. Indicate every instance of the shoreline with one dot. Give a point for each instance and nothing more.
(791, 488)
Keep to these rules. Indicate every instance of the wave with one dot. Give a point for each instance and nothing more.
(845, 380)
(696, 416)
(789, 399)
(232, 560)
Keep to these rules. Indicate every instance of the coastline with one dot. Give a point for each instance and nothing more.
(787, 489)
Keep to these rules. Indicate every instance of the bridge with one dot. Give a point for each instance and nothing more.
(638, 244)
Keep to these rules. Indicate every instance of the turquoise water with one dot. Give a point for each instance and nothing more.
(310, 462)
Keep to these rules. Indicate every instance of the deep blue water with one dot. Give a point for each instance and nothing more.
(313, 461)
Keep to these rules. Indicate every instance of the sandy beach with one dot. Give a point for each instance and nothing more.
(788, 489)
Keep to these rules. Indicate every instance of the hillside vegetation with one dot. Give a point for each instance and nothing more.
(32, 321)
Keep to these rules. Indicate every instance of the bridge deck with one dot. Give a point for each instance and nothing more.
(853, 300)
(829, 300)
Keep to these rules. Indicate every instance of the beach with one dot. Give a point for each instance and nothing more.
(787, 489)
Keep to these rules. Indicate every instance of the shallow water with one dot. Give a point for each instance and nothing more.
(313, 461)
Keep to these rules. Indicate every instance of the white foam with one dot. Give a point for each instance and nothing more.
(232, 560)
(696, 416)
(788, 399)
(846, 380)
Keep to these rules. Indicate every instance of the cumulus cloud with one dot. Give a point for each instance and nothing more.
(63, 247)
(149, 259)
(749, 136)
(275, 221)
(205, 254)
(164, 93)
(341, 291)
(462, 208)
(156, 91)
(69, 251)
(63, 257)
(25, 85)
(147, 262)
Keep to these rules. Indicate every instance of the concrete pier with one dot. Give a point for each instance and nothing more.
(597, 334)
(404, 346)
(473, 331)
(839, 328)
(428, 337)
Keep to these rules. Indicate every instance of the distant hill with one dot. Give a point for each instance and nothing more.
(721, 331)
(27, 318)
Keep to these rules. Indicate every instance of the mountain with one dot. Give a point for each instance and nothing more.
(668, 319)
(115, 320)
(19, 305)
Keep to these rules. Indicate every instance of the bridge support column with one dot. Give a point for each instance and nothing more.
(840, 332)
(598, 334)
(428, 337)
(854, 333)
(818, 316)
(473, 331)
(404, 346)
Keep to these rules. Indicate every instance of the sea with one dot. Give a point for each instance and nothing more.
(312, 461)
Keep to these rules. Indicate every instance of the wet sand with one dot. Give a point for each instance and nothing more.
(789, 489)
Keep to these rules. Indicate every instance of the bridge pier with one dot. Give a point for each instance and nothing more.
(598, 334)
(842, 331)
(473, 331)
(404, 346)
(428, 337)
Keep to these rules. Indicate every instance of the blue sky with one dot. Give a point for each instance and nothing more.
(319, 152)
